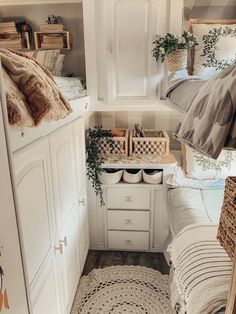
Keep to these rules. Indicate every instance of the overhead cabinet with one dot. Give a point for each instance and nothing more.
(125, 30)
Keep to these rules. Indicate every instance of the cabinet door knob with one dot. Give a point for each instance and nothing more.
(59, 248)
(64, 241)
(128, 221)
(82, 202)
(128, 198)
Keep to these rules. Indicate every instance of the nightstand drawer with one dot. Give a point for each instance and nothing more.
(128, 220)
(128, 240)
(128, 198)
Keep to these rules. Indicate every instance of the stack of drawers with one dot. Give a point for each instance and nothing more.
(128, 218)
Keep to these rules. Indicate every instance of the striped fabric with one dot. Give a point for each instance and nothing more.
(48, 58)
(201, 271)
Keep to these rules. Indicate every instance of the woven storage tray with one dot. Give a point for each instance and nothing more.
(227, 226)
(120, 147)
(155, 142)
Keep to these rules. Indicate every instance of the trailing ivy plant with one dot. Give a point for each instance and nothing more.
(95, 159)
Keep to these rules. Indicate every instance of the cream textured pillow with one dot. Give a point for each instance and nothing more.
(201, 167)
(48, 58)
(57, 71)
(216, 49)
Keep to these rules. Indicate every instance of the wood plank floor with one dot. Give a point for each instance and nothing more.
(100, 259)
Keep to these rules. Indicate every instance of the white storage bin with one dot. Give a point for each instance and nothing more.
(132, 175)
(152, 176)
(110, 176)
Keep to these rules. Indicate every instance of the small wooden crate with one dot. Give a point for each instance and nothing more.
(119, 148)
(155, 142)
(227, 226)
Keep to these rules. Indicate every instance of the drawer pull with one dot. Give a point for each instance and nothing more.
(128, 198)
(59, 248)
(128, 221)
(64, 241)
(128, 242)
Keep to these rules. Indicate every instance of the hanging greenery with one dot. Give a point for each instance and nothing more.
(164, 45)
(95, 159)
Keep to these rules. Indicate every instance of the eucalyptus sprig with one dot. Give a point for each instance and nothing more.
(164, 45)
(95, 159)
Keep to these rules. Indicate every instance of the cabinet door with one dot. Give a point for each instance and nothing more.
(82, 215)
(35, 204)
(63, 172)
(131, 67)
(44, 294)
(79, 136)
(69, 259)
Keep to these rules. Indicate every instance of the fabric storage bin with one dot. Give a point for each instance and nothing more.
(154, 142)
(152, 176)
(132, 175)
(120, 146)
(110, 176)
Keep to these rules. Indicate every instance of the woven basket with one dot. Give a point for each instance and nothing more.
(177, 60)
(155, 142)
(119, 148)
(227, 226)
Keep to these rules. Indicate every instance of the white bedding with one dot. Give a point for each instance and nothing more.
(188, 206)
(71, 87)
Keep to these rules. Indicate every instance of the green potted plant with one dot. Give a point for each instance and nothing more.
(174, 49)
(95, 159)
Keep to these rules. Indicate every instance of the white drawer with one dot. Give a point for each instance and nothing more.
(128, 198)
(128, 220)
(128, 240)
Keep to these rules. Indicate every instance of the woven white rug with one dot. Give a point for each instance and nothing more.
(123, 290)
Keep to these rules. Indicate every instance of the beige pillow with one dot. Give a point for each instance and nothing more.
(217, 46)
(57, 71)
(48, 58)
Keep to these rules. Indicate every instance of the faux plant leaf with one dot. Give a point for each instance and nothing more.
(5, 299)
(1, 300)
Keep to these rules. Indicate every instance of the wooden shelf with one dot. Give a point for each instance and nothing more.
(24, 41)
(67, 40)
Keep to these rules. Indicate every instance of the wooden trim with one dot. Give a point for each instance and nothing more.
(231, 304)
(206, 21)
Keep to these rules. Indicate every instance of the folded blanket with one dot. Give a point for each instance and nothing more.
(44, 100)
(173, 84)
(209, 125)
(201, 270)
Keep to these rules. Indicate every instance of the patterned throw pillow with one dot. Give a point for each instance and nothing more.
(216, 49)
(48, 58)
(57, 71)
(201, 167)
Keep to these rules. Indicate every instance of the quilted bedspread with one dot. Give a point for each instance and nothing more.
(31, 94)
(209, 125)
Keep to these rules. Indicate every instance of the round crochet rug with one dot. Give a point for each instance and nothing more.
(123, 290)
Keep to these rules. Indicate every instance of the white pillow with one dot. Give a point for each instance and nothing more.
(201, 167)
(216, 49)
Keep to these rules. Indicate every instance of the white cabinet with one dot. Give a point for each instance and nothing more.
(35, 201)
(131, 70)
(63, 171)
(52, 213)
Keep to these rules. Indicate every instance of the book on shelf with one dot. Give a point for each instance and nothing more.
(52, 45)
(9, 36)
(54, 28)
(7, 27)
(52, 39)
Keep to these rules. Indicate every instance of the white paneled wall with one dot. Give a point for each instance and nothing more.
(153, 120)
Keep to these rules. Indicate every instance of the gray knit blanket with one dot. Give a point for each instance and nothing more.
(209, 125)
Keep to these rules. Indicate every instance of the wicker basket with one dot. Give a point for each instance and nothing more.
(227, 226)
(177, 60)
(155, 142)
(119, 148)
